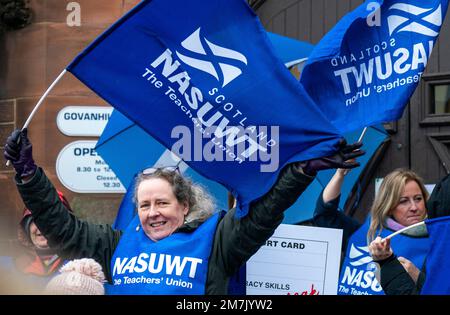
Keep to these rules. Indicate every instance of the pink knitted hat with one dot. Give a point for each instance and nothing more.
(78, 277)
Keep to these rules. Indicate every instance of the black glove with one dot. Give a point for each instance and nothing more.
(19, 151)
(339, 160)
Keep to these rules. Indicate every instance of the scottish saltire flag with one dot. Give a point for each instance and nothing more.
(366, 68)
(437, 277)
(202, 78)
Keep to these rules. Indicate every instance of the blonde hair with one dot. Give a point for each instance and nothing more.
(388, 198)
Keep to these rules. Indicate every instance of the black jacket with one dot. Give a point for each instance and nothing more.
(395, 280)
(235, 240)
(327, 215)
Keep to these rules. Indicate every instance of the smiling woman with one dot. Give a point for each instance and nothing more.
(176, 244)
(166, 192)
(160, 211)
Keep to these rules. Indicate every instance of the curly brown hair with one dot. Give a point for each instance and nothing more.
(201, 203)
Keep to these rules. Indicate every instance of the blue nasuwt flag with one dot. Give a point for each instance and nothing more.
(172, 65)
(437, 276)
(365, 69)
(127, 209)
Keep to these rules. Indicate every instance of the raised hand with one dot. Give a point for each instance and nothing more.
(19, 150)
(344, 158)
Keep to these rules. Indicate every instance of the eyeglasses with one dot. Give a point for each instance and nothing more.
(151, 170)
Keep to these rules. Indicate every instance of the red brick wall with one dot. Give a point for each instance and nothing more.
(30, 59)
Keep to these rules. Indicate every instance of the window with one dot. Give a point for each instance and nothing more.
(440, 99)
(435, 99)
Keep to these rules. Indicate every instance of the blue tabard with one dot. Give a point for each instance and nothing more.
(177, 264)
(358, 269)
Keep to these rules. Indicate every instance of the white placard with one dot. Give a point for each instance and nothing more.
(82, 170)
(296, 260)
(83, 120)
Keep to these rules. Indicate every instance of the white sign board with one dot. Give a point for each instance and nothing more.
(296, 260)
(82, 170)
(83, 120)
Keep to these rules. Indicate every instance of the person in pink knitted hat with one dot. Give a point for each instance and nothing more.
(78, 277)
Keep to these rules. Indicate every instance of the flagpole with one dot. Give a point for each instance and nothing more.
(404, 229)
(41, 100)
(363, 133)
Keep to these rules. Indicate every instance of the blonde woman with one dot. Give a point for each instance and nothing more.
(401, 202)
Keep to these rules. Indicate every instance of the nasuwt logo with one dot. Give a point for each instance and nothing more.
(359, 255)
(156, 264)
(358, 279)
(390, 61)
(211, 58)
(207, 106)
(410, 18)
